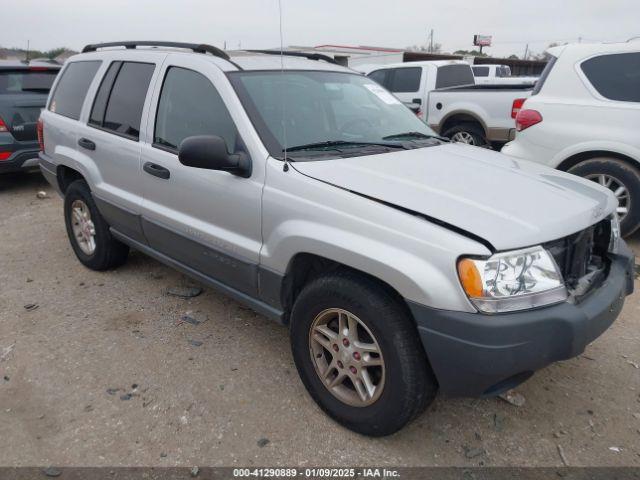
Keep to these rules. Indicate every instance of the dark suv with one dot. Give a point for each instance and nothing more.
(23, 92)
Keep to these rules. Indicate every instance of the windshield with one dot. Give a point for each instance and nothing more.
(321, 113)
(26, 81)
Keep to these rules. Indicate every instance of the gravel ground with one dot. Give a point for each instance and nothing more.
(102, 372)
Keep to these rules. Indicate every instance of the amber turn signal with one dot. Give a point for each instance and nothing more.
(470, 277)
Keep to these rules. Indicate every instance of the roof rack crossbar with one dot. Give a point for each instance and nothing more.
(197, 48)
(310, 56)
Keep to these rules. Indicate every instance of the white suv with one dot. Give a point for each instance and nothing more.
(401, 264)
(584, 117)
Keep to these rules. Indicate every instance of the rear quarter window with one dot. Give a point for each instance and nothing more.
(72, 88)
(454, 76)
(615, 76)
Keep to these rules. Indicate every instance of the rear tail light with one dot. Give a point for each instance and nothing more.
(527, 118)
(516, 106)
(3, 126)
(40, 130)
(4, 155)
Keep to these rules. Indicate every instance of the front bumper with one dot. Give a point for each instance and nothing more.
(474, 354)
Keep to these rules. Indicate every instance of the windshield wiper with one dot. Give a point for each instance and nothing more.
(416, 135)
(340, 143)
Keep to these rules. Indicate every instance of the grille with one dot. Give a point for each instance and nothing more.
(582, 254)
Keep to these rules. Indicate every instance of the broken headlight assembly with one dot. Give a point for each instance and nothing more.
(513, 280)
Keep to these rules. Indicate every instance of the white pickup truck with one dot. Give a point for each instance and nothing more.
(498, 75)
(444, 95)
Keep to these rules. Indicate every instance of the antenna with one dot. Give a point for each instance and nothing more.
(285, 167)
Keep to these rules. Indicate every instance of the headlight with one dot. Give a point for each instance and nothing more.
(510, 281)
(614, 241)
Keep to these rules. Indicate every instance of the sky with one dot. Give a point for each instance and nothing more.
(513, 24)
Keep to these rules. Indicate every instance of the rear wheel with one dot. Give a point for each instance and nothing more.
(88, 232)
(358, 354)
(467, 133)
(623, 180)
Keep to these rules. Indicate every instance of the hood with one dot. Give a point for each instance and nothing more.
(507, 202)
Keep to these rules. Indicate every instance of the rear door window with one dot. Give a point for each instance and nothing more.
(615, 76)
(480, 71)
(72, 88)
(190, 105)
(405, 80)
(454, 76)
(123, 111)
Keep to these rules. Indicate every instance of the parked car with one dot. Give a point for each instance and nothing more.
(498, 75)
(583, 118)
(23, 92)
(400, 263)
(443, 94)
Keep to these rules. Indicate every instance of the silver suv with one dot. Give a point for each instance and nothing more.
(402, 264)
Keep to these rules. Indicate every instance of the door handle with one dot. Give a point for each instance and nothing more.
(86, 143)
(156, 170)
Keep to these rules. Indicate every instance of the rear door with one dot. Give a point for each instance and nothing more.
(111, 138)
(208, 220)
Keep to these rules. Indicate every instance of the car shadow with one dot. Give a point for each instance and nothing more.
(22, 181)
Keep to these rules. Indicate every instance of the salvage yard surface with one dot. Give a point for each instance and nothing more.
(112, 369)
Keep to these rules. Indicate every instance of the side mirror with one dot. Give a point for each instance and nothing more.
(210, 152)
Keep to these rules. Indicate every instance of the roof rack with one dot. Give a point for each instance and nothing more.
(197, 48)
(310, 56)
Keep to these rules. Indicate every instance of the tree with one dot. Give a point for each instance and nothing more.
(474, 53)
(54, 52)
(437, 48)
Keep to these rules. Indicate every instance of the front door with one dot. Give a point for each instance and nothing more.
(207, 220)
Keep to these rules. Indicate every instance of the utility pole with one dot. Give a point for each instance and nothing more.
(526, 52)
(27, 58)
(431, 41)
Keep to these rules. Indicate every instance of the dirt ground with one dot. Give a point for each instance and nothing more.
(102, 372)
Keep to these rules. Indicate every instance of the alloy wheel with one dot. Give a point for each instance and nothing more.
(463, 137)
(619, 190)
(84, 231)
(347, 357)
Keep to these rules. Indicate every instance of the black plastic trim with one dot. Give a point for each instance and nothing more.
(255, 304)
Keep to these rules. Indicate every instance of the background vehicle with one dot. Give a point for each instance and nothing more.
(583, 118)
(23, 93)
(344, 218)
(443, 94)
(498, 75)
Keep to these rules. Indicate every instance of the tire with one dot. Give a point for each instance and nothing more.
(408, 383)
(108, 252)
(474, 133)
(621, 174)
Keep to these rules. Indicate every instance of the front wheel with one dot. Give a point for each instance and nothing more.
(623, 180)
(358, 354)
